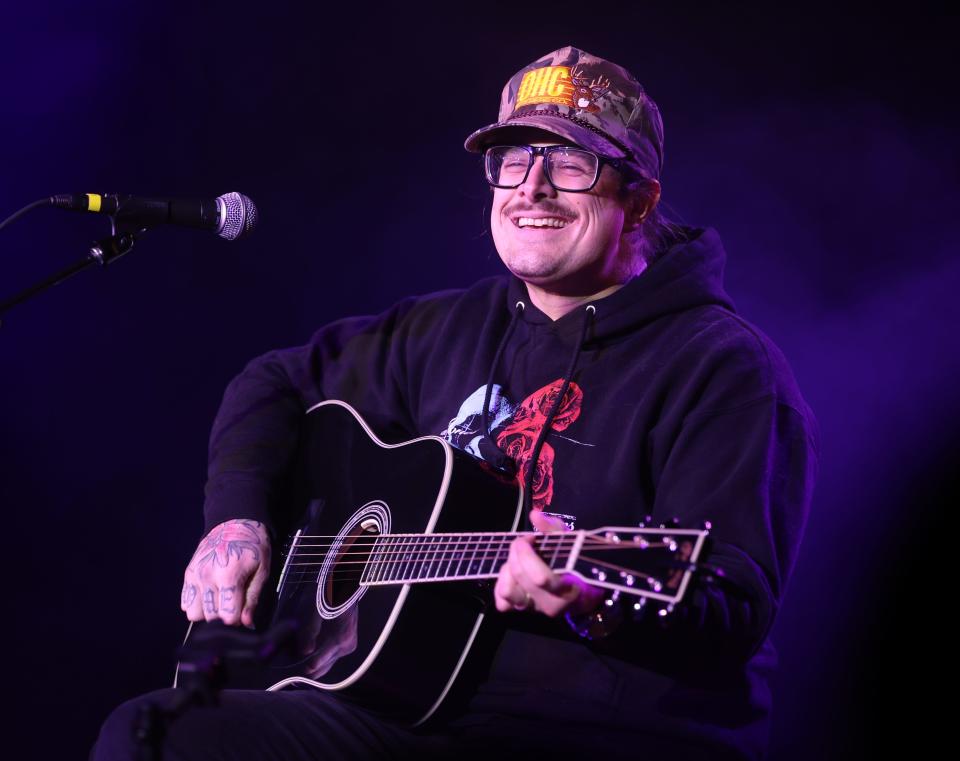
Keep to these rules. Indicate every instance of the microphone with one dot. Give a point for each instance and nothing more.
(230, 216)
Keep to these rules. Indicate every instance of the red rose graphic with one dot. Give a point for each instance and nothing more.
(517, 447)
(519, 436)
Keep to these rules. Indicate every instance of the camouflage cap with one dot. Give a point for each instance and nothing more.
(595, 103)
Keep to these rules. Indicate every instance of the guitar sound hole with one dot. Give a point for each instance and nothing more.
(344, 580)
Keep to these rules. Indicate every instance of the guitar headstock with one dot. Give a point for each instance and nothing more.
(652, 564)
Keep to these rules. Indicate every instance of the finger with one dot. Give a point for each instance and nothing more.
(190, 600)
(545, 523)
(209, 599)
(525, 592)
(532, 573)
(252, 595)
(506, 593)
(230, 603)
(551, 594)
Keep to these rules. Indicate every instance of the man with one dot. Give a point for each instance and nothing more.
(612, 374)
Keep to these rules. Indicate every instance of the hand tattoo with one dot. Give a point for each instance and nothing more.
(209, 603)
(188, 595)
(226, 599)
(230, 539)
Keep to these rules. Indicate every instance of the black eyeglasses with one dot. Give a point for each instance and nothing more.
(572, 170)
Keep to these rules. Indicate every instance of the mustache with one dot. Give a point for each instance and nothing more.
(558, 211)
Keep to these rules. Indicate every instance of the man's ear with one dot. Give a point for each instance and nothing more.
(643, 202)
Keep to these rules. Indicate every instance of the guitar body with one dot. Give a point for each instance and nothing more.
(396, 648)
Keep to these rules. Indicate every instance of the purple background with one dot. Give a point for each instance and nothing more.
(821, 145)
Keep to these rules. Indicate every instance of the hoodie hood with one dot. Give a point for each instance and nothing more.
(688, 274)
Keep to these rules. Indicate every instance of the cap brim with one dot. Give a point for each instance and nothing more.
(494, 133)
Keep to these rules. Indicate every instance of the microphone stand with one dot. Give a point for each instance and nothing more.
(104, 252)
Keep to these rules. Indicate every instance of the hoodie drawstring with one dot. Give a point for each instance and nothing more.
(588, 313)
(502, 463)
(505, 463)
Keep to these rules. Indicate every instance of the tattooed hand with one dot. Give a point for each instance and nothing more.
(227, 573)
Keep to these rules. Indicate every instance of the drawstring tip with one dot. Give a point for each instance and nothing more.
(497, 458)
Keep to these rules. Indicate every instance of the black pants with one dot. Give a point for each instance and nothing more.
(310, 724)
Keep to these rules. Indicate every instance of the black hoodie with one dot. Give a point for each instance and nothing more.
(677, 407)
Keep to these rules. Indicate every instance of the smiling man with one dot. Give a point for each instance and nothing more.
(610, 376)
(563, 218)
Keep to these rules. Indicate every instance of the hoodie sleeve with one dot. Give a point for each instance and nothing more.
(744, 458)
(255, 434)
(749, 471)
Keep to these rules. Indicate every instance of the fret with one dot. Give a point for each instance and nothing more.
(503, 551)
(469, 552)
(413, 547)
(442, 549)
(409, 550)
(431, 557)
(398, 555)
(491, 554)
(372, 564)
(461, 555)
(453, 543)
(396, 558)
(579, 537)
(385, 557)
(421, 562)
(462, 548)
(474, 565)
(438, 548)
(556, 552)
(423, 543)
(370, 567)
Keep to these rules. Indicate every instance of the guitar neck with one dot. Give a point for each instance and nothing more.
(412, 558)
(388, 559)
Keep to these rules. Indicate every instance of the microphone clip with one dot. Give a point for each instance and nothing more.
(107, 250)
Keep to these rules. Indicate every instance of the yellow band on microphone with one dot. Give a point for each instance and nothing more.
(93, 202)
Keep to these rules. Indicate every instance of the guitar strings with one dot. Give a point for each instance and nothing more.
(430, 552)
(432, 541)
(591, 534)
(351, 575)
(374, 553)
(482, 536)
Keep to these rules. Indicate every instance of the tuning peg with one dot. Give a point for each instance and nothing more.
(645, 520)
(666, 611)
(707, 525)
(639, 609)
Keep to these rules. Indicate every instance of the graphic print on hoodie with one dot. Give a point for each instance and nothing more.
(517, 427)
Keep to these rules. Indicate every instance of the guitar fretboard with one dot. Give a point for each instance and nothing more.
(406, 558)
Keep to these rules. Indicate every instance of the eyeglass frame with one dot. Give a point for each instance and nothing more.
(534, 150)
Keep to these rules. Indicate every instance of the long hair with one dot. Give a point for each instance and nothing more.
(659, 230)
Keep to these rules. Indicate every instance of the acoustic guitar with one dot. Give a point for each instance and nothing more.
(381, 576)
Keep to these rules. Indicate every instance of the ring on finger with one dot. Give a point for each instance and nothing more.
(526, 601)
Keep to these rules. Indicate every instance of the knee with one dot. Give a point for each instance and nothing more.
(130, 729)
